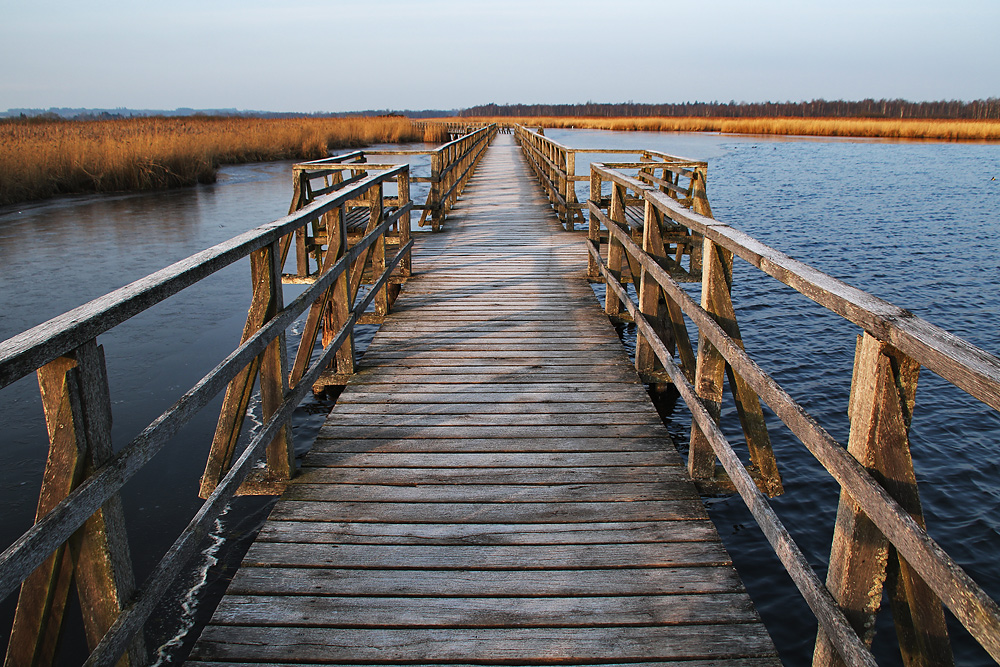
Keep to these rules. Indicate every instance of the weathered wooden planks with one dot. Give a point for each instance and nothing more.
(494, 485)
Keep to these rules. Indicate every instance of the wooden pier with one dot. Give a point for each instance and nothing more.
(494, 485)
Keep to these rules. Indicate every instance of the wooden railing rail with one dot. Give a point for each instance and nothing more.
(79, 530)
(451, 165)
(880, 542)
(555, 167)
(457, 129)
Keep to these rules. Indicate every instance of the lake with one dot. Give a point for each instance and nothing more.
(914, 223)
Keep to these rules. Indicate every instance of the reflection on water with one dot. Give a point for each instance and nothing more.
(913, 223)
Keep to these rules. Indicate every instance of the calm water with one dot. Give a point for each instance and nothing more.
(914, 223)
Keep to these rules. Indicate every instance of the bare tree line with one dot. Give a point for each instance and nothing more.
(868, 108)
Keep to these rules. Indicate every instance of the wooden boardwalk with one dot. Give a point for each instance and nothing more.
(494, 486)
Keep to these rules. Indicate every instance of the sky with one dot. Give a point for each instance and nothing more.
(335, 55)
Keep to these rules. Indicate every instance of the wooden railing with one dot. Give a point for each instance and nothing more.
(457, 129)
(880, 528)
(555, 166)
(79, 533)
(451, 166)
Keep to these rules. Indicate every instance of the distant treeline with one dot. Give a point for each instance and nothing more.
(67, 113)
(953, 109)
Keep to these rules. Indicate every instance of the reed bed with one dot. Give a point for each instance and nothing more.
(948, 130)
(40, 159)
(436, 134)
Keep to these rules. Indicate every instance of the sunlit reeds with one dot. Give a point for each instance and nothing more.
(436, 134)
(948, 130)
(39, 159)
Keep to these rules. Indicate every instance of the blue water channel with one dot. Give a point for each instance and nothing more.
(914, 223)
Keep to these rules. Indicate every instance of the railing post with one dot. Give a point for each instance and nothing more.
(660, 310)
(594, 226)
(569, 192)
(434, 198)
(716, 287)
(77, 406)
(329, 311)
(616, 252)
(883, 390)
(280, 455)
(711, 366)
(403, 189)
(699, 204)
(376, 215)
(340, 302)
(265, 270)
(560, 184)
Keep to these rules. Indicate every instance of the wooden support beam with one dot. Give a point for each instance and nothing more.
(709, 377)
(280, 455)
(616, 253)
(265, 304)
(77, 406)
(378, 249)
(651, 302)
(883, 392)
(594, 229)
(339, 306)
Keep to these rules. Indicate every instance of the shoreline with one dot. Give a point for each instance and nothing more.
(957, 130)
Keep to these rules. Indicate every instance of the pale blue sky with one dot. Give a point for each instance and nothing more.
(334, 55)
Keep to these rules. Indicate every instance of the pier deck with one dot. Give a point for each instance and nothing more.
(494, 485)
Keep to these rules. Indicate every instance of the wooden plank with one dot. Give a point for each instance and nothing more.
(376, 407)
(373, 491)
(481, 612)
(493, 445)
(538, 394)
(540, 645)
(487, 557)
(507, 583)
(715, 662)
(491, 476)
(471, 418)
(568, 512)
(484, 378)
(632, 532)
(560, 431)
(571, 459)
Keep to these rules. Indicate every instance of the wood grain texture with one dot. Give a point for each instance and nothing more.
(494, 485)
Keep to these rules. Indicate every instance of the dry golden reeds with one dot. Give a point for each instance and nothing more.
(40, 159)
(948, 130)
(436, 134)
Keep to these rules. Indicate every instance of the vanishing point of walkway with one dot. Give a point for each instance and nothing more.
(494, 486)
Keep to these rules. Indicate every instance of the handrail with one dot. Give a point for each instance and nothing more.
(554, 165)
(71, 371)
(24, 353)
(874, 471)
(452, 164)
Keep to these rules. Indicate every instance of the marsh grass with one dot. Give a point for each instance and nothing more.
(948, 130)
(40, 159)
(436, 134)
